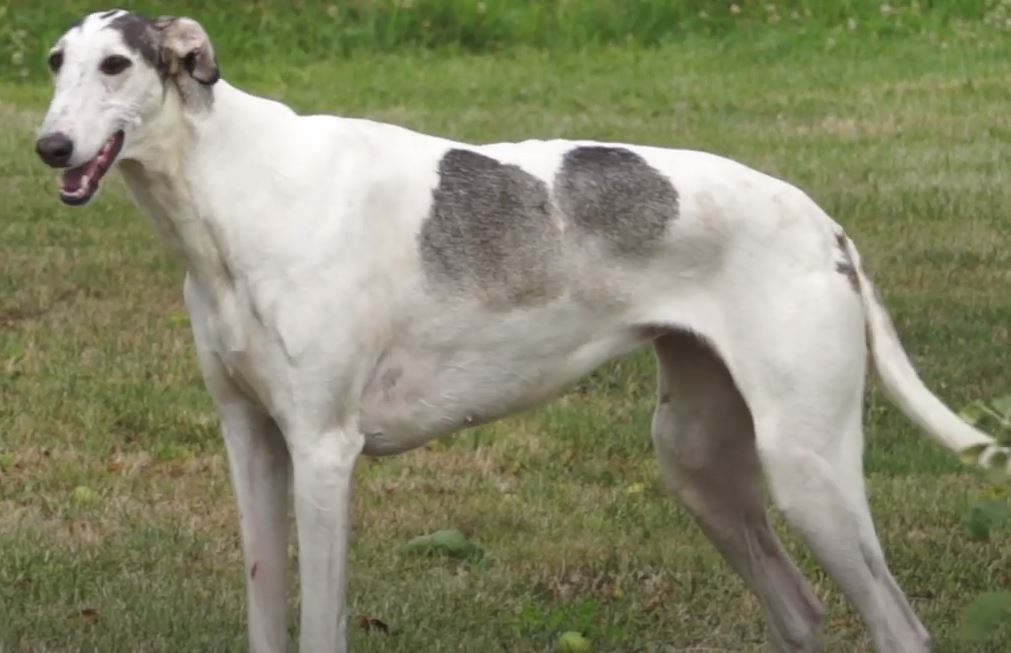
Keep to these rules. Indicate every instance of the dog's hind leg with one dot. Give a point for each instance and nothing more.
(821, 493)
(803, 379)
(704, 440)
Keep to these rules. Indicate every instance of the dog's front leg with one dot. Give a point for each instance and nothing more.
(260, 468)
(259, 465)
(323, 465)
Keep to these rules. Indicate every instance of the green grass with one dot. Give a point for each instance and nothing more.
(308, 30)
(904, 140)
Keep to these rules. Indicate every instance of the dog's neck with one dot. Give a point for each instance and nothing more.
(164, 176)
(181, 170)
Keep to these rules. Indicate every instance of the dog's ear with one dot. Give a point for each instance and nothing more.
(185, 48)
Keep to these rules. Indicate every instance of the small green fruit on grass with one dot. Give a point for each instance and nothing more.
(83, 494)
(573, 642)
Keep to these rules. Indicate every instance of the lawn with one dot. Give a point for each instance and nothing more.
(117, 525)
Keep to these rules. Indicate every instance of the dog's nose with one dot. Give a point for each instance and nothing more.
(55, 149)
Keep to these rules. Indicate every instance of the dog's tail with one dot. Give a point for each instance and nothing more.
(905, 388)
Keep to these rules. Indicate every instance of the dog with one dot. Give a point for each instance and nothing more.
(358, 288)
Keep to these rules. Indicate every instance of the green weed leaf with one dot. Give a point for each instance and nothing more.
(984, 616)
(1003, 406)
(982, 518)
(450, 543)
(973, 412)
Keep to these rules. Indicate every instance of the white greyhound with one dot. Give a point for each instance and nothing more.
(355, 287)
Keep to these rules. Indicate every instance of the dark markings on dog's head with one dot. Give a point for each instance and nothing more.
(614, 193)
(846, 266)
(159, 43)
(490, 232)
(110, 13)
(139, 34)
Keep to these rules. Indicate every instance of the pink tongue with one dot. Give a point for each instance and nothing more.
(72, 178)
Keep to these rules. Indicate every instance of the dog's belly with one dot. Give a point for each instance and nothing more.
(422, 390)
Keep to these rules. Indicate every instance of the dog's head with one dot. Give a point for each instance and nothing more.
(112, 73)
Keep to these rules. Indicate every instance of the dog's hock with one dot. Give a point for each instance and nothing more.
(186, 48)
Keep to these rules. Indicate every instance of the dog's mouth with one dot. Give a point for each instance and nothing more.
(78, 185)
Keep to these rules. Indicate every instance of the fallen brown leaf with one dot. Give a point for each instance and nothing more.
(369, 624)
(87, 615)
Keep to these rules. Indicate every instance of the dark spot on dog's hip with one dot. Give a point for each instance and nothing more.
(613, 193)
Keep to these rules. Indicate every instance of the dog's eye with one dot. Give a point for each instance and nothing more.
(55, 61)
(114, 64)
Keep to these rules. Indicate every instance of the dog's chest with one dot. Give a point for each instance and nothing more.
(227, 328)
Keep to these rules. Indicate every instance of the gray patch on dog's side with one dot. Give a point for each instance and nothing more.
(139, 35)
(845, 266)
(614, 193)
(490, 231)
(389, 380)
